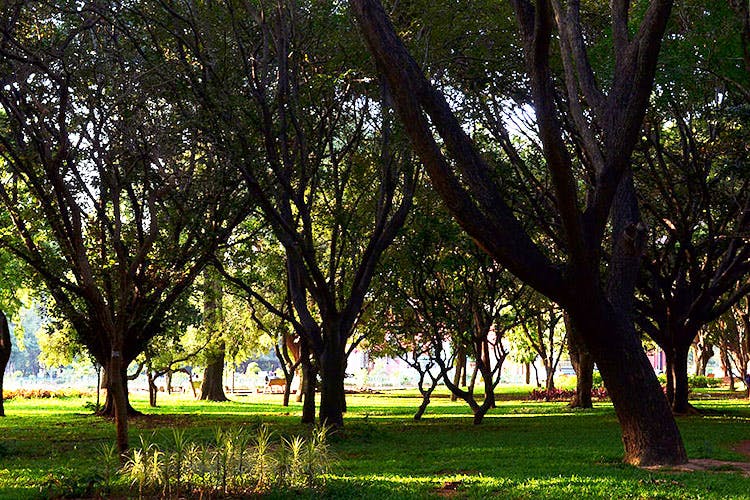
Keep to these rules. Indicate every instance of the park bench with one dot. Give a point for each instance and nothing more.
(275, 385)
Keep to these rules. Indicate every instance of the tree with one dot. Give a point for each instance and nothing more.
(694, 181)
(593, 197)
(540, 329)
(115, 199)
(447, 293)
(335, 183)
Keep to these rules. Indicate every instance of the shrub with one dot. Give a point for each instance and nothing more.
(702, 382)
(236, 463)
(45, 394)
(564, 394)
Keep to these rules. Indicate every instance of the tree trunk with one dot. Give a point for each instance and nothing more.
(460, 374)
(301, 389)
(212, 388)
(108, 410)
(119, 394)
(527, 366)
(680, 403)
(549, 369)
(669, 356)
(583, 364)
(332, 396)
(152, 389)
(5, 349)
(649, 432)
(423, 406)
(309, 377)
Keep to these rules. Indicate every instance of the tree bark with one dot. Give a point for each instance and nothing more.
(669, 356)
(460, 374)
(108, 410)
(332, 396)
(119, 394)
(5, 350)
(309, 377)
(680, 403)
(583, 364)
(649, 431)
(152, 389)
(212, 388)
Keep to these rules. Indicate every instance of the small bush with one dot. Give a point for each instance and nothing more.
(45, 394)
(236, 463)
(564, 394)
(702, 382)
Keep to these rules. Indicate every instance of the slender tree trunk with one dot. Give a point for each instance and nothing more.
(459, 377)
(168, 375)
(549, 369)
(5, 350)
(301, 389)
(309, 377)
(212, 388)
(152, 389)
(583, 364)
(527, 367)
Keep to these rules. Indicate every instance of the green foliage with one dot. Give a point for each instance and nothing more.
(523, 450)
(702, 382)
(235, 463)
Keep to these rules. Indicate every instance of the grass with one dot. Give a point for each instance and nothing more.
(50, 447)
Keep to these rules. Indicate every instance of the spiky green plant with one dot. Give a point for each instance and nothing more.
(262, 458)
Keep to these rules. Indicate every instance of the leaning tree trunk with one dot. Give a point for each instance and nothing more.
(212, 388)
(649, 432)
(583, 364)
(5, 349)
(460, 374)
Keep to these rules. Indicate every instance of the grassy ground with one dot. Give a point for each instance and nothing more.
(49, 447)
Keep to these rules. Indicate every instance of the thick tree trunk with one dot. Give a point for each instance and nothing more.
(212, 388)
(680, 403)
(669, 357)
(108, 410)
(332, 396)
(5, 350)
(119, 394)
(583, 364)
(649, 432)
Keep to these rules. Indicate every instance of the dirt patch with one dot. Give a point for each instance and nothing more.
(705, 465)
(449, 489)
(743, 447)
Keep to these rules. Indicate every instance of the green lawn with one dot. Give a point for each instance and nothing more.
(49, 447)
